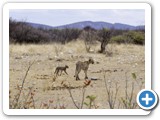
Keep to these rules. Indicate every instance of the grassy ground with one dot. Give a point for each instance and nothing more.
(120, 74)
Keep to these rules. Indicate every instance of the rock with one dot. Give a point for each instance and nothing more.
(70, 52)
(109, 81)
(91, 51)
(94, 78)
(61, 53)
(50, 58)
(19, 57)
(60, 59)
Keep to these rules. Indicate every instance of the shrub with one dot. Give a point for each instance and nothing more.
(118, 39)
(23, 32)
(133, 37)
(139, 38)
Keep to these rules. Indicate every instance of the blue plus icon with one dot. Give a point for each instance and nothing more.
(147, 99)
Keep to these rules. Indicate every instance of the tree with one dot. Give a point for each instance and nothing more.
(89, 35)
(104, 37)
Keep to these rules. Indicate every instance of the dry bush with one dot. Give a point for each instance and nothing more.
(16, 102)
(83, 91)
(128, 101)
(58, 50)
(111, 93)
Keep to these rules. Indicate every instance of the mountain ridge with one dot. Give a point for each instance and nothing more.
(96, 25)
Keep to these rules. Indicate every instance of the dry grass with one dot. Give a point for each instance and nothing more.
(50, 92)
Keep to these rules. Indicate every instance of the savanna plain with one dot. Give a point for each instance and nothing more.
(113, 81)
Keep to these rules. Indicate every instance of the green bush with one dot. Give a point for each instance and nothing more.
(139, 38)
(118, 39)
(133, 37)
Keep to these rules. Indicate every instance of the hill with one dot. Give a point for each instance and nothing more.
(95, 25)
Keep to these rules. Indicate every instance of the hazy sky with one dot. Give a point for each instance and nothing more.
(62, 16)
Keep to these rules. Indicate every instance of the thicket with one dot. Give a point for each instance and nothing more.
(22, 32)
(134, 37)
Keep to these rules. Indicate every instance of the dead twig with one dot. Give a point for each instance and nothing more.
(24, 81)
(70, 93)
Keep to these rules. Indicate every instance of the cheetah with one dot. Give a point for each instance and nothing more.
(60, 69)
(83, 66)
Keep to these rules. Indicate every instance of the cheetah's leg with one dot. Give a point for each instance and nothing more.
(85, 71)
(65, 72)
(76, 74)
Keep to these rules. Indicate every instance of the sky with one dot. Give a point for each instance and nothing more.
(57, 17)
